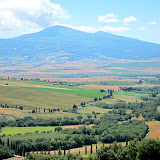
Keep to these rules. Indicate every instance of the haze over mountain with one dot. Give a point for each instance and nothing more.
(64, 44)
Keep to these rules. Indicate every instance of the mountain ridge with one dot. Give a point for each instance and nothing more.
(59, 40)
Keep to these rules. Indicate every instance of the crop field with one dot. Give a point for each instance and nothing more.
(154, 129)
(38, 98)
(23, 130)
(25, 133)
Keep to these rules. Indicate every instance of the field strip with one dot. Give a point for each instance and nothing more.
(23, 130)
(77, 126)
(36, 86)
(154, 127)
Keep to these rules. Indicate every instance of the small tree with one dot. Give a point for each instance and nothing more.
(79, 118)
(21, 107)
(111, 93)
(85, 150)
(95, 99)
(74, 106)
(89, 116)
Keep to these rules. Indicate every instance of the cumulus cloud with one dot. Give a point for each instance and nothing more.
(114, 29)
(110, 17)
(26, 16)
(129, 19)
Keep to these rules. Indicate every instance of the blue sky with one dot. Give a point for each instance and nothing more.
(138, 19)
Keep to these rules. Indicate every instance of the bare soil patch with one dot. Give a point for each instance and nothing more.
(82, 149)
(77, 126)
(139, 118)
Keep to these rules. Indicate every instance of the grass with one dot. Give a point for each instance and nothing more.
(82, 92)
(90, 108)
(38, 98)
(34, 136)
(23, 130)
(130, 94)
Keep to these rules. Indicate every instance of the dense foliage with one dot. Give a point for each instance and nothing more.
(5, 152)
(148, 149)
(30, 121)
(147, 109)
(108, 131)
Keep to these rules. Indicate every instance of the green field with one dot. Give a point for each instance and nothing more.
(35, 136)
(23, 130)
(38, 98)
(130, 94)
(90, 108)
(82, 92)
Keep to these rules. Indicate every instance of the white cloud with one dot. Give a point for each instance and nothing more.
(93, 29)
(153, 22)
(114, 29)
(129, 19)
(110, 17)
(26, 16)
(81, 28)
(141, 28)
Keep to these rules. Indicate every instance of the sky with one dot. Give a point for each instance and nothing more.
(138, 19)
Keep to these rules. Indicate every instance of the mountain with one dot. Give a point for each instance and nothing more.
(63, 44)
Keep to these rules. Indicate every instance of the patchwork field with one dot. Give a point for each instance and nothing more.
(42, 94)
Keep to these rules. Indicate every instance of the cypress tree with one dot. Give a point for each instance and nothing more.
(85, 150)
(8, 142)
(91, 149)
(64, 152)
(24, 150)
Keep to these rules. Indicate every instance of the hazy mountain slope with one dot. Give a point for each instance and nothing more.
(57, 40)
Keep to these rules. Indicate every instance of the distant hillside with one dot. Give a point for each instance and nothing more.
(64, 44)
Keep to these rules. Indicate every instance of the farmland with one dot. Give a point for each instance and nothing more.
(38, 107)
